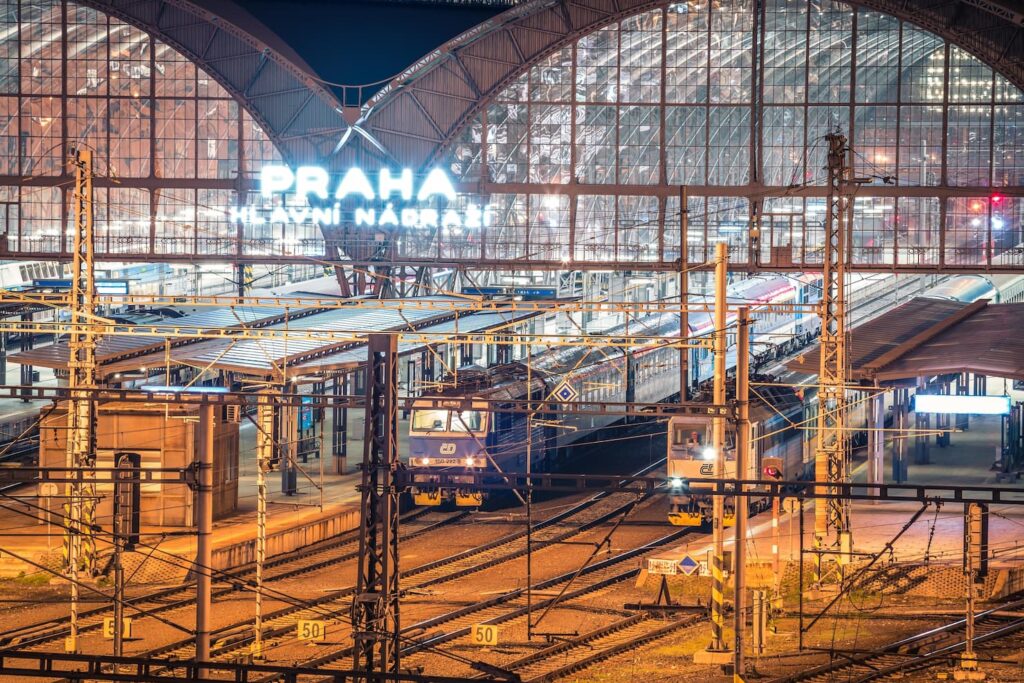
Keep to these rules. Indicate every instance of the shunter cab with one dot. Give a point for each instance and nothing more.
(447, 440)
(691, 458)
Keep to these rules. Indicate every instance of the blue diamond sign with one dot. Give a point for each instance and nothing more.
(565, 393)
(689, 565)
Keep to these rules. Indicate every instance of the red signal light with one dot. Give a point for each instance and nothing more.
(996, 199)
(773, 472)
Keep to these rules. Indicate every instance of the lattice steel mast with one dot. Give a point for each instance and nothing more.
(375, 622)
(80, 507)
(830, 458)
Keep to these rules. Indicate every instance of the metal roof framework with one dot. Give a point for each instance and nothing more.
(419, 113)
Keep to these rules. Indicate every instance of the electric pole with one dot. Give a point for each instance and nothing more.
(80, 505)
(830, 458)
(375, 621)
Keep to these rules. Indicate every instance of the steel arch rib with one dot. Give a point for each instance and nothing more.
(494, 52)
(240, 62)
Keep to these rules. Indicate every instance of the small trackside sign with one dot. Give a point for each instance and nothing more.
(662, 567)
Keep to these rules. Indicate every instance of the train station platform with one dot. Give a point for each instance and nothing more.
(324, 504)
(934, 540)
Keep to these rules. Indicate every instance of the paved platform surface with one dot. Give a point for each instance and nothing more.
(939, 535)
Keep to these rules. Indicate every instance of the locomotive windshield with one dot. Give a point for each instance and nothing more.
(430, 420)
(693, 440)
(425, 420)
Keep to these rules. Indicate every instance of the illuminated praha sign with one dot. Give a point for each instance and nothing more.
(395, 199)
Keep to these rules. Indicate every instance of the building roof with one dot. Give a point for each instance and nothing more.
(933, 337)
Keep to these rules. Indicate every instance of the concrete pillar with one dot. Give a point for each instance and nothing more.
(963, 420)
(922, 422)
(876, 438)
(339, 424)
(899, 443)
(26, 345)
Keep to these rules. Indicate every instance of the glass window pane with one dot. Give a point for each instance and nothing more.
(507, 127)
(595, 228)
(729, 146)
(175, 75)
(639, 145)
(875, 141)
(9, 138)
(130, 136)
(969, 79)
(596, 142)
(129, 60)
(550, 141)
(1008, 146)
(967, 145)
(88, 61)
(924, 62)
(548, 237)
(176, 138)
(686, 55)
(9, 47)
(686, 145)
(785, 51)
(638, 229)
(878, 54)
(640, 71)
(41, 72)
(217, 139)
(920, 146)
(597, 64)
(831, 46)
(41, 149)
(874, 220)
(917, 231)
(783, 145)
(967, 231)
(551, 79)
(732, 38)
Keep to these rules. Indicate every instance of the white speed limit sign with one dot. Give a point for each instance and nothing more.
(311, 630)
(485, 634)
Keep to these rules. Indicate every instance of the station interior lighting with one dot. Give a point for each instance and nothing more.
(973, 405)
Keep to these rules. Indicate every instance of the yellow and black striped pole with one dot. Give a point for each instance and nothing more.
(718, 445)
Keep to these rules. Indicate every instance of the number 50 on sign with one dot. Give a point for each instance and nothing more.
(312, 630)
(485, 634)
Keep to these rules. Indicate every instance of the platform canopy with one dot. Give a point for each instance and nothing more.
(926, 337)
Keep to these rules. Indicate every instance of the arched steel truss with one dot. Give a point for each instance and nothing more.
(424, 108)
(301, 116)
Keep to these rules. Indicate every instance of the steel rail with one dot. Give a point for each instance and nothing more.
(231, 638)
(28, 636)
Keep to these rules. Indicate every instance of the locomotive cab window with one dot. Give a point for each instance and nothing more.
(426, 420)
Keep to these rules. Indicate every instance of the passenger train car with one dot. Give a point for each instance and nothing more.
(779, 448)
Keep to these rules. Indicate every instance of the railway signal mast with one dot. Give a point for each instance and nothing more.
(80, 508)
(830, 458)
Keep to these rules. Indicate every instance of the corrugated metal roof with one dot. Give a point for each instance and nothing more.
(990, 342)
(887, 332)
(265, 356)
(932, 337)
(118, 346)
(477, 322)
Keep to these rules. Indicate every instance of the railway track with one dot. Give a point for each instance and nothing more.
(921, 651)
(576, 654)
(284, 566)
(425, 635)
(232, 641)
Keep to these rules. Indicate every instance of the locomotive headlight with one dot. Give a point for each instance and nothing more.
(709, 453)
(424, 461)
(675, 482)
(470, 462)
